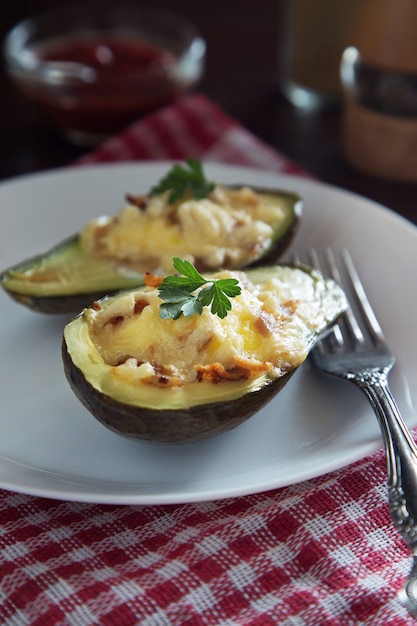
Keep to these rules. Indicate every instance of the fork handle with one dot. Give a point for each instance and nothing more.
(401, 455)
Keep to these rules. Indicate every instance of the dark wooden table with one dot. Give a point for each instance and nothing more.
(242, 76)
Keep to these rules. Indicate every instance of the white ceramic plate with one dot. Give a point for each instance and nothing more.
(51, 446)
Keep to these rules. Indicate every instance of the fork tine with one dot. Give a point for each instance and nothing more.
(354, 328)
(334, 337)
(362, 300)
(335, 334)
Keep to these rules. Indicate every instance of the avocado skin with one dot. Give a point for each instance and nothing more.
(168, 425)
(56, 305)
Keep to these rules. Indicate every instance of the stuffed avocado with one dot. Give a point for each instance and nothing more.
(150, 372)
(212, 225)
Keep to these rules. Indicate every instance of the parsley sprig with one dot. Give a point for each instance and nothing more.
(181, 180)
(179, 299)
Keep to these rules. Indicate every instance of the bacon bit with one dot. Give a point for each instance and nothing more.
(291, 305)
(253, 365)
(267, 323)
(137, 200)
(96, 306)
(162, 377)
(262, 327)
(216, 373)
(243, 369)
(159, 377)
(152, 280)
(140, 304)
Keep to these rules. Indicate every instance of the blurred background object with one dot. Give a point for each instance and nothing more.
(379, 72)
(315, 36)
(93, 69)
(240, 73)
(243, 75)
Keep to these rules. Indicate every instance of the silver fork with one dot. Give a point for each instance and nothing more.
(357, 351)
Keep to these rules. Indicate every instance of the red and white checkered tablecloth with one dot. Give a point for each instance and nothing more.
(319, 553)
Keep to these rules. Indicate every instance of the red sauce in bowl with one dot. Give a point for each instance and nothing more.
(112, 82)
(109, 55)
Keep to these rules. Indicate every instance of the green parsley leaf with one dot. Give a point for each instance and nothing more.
(187, 269)
(181, 180)
(179, 299)
(188, 305)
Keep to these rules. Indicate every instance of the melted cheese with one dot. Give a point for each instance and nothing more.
(268, 330)
(231, 227)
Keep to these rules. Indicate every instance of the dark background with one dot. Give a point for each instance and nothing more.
(242, 75)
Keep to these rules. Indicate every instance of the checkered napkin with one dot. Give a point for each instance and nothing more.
(319, 553)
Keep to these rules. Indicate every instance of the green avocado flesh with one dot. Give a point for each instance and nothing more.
(195, 409)
(68, 277)
(65, 279)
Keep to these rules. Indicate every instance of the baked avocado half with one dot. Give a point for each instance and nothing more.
(212, 225)
(187, 378)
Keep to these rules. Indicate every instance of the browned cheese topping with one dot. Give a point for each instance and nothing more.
(226, 229)
(267, 330)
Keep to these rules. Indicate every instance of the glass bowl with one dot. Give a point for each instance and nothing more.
(93, 70)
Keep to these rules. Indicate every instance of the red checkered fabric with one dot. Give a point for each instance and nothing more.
(193, 127)
(319, 553)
